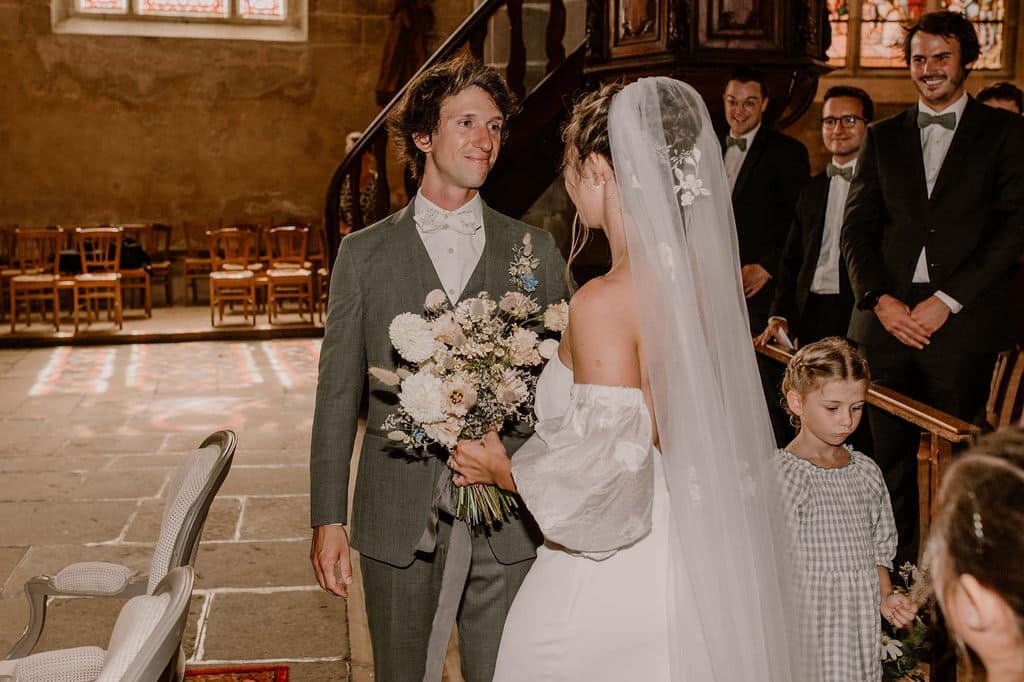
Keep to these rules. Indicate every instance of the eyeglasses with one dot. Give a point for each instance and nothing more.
(848, 121)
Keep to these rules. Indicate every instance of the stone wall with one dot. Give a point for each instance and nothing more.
(109, 128)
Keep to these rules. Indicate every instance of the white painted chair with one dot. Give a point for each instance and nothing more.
(188, 501)
(143, 646)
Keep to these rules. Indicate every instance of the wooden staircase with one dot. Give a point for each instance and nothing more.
(525, 168)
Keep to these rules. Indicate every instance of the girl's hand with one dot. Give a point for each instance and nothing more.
(482, 461)
(898, 609)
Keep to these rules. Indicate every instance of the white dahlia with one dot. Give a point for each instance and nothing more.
(422, 397)
(410, 335)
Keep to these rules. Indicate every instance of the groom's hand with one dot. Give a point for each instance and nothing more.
(329, 549)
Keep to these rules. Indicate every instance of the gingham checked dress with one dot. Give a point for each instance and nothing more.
(843, 526)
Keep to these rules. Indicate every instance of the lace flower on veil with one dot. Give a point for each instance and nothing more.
(687, 182)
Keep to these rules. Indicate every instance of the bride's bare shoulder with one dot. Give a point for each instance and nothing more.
(603, 343)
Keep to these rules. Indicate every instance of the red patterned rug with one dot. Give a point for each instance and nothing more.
(263, 673)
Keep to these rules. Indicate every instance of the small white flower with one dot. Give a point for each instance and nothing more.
(435, 300)
(522, 346)
(548, 348)
(445, 432)
(410, 335)
(527, 244)
(892, 649)
(385, 376)
(556, 317)
(422, 397)
(518, 305)
(511, 390)
(477, 308)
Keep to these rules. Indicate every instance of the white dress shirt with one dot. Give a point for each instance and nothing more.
(454, 254)
(935, 141)
(826, 274)
(734, 156)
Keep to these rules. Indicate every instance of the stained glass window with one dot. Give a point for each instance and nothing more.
(261, 9)
(881, 31)
(880, 26)
(839, 25)
(988, 19)
(185, 8)
(103, 6)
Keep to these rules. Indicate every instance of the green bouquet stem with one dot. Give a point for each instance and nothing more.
(484, 505)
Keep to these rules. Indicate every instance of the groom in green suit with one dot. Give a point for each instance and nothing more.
(450, 127)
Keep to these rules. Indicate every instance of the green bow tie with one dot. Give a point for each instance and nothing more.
(832, 170)
(740, 142)
(947, 120)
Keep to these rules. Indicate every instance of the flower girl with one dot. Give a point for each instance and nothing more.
(840, 515)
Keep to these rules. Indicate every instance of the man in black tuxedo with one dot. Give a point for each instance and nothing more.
(766, 172)
(933, 225)
(813, 299)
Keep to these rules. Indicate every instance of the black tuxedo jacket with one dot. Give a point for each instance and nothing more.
(775, 169)
(800, 255)
(972, 225)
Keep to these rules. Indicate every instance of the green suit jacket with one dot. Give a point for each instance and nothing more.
(380, 272)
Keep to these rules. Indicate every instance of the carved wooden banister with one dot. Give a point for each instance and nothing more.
(471, 33)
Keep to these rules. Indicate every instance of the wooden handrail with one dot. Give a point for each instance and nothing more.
(926, 417)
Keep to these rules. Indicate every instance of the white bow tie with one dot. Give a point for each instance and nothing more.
(463, 221)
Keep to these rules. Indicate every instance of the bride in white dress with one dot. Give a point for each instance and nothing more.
(650, 471)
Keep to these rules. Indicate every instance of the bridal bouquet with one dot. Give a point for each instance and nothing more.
(902, 650)
(469, 369)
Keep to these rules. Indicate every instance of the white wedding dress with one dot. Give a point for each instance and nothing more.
(587, 611)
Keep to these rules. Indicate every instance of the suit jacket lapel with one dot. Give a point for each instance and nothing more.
(491, 270)
(750, 161)
(913, 157)
(407, 241)
(959, 148)
(817, 235)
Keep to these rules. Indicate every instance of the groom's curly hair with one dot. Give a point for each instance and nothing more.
(419, 112)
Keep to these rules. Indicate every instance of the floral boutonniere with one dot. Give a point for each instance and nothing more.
(522, 265)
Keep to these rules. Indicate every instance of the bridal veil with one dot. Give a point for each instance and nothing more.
(714, 430)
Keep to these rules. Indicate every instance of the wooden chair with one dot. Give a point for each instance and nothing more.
(1005, 406)
(231, 281)
(7, 265)
(37, 252)
(289, 275)
(159, 250)
(137, 278)
(197, 257)
(100, 251)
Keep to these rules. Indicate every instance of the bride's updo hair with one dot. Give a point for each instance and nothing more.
(584, 134)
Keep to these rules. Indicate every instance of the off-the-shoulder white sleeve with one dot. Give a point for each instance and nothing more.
(587, 477)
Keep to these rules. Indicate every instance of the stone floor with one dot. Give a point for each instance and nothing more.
(88, 440)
